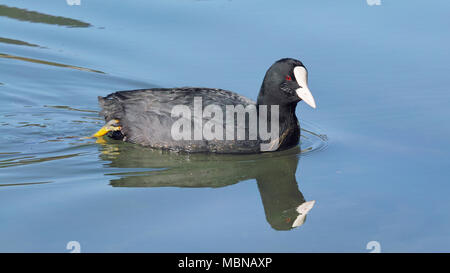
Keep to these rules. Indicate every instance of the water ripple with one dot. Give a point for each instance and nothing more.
(37, 17)
(8, 56)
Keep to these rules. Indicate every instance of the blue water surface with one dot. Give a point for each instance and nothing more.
(376, 149)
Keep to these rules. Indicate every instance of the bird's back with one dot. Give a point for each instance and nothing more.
(145, 117)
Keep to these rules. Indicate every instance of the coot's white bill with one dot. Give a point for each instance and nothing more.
(301, 76)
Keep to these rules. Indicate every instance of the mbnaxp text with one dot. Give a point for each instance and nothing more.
(233, 262)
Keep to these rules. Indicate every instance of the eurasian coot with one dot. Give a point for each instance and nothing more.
(192, 119)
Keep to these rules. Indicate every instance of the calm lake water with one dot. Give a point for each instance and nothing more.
(374, 154)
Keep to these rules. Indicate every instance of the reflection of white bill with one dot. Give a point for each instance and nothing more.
(303, 210)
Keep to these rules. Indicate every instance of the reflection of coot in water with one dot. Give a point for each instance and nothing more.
(284, 204)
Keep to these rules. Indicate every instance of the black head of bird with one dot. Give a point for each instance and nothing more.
(286, 82)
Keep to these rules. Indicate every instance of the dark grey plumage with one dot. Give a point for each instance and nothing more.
(145, 117)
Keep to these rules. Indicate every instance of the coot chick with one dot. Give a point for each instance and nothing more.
(192, 119)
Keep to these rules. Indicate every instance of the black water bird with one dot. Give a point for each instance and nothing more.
(148, 116)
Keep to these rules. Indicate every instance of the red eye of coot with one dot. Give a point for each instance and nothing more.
(288, 78)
